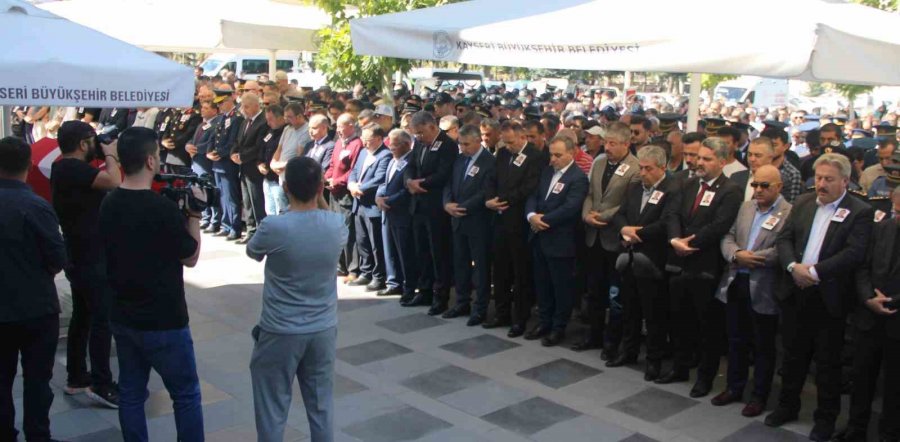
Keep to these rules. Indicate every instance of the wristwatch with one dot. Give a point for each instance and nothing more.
(734, 256)
(790, 267)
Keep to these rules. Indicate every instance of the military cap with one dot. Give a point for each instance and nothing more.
(222, 94)
(885, 131)
(740, 125)
(840, 120)
(443, 98)
(714, 124)
(807, 126)
(532, 113)
(669, 121)
(513, 104)
(861, 133)
(769, 124)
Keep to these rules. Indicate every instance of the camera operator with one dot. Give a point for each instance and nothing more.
(147, 240)
(31, 253)
(78, 189)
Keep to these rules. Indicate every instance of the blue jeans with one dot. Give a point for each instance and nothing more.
(276, 200)
(171, 354)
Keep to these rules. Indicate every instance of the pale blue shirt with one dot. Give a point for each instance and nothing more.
(394, 164)
(824, 213)
(300, 285)
(756, 226)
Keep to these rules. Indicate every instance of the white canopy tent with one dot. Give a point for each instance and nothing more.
(56, 62)
(200, 25)
(816, 40)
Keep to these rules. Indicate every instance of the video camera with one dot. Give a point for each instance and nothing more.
(178, 189)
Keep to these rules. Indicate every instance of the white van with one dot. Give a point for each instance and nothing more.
(248, 66)
(762, 92)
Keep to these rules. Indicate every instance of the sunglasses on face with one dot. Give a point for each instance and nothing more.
(762, 185)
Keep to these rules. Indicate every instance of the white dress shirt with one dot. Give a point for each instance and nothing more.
(556, 177)
(824, 213)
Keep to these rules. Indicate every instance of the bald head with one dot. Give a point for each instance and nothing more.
(767, 182)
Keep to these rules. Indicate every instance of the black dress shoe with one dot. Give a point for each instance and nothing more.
(822, 431)
(418, 301)
(673, 376)
(221, 233)
(609, 353)
(474, 320)
(701, 388)
(233, 236)
(360, 282)
(244, 240)
(537, 333)
(496, 323)
(621, 360)
(204, 226)
(780, 417)
(457, 311)
(437, 307)
(651, 371)
(393, 291)
(341, 273)
(515, 331)
(588, 344)
(375, 286)
(553, 339)
(405, 299)
(851, 434)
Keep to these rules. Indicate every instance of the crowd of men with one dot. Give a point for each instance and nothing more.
(698, 244)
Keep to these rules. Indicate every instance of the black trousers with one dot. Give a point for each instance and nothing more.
(601, 274)
(89, 326)
(809, 330)
(872, 349)
(254, 199)
(555, 289)
(349, 261)
(513, 283)
(398, 240)
(473, 245)
(35, 339)
(433, 238)
(749, 331)
(698, 324)
(644, 300)
(370, 247)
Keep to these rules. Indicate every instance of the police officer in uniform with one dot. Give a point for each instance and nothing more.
(225, 170)
(183, 125)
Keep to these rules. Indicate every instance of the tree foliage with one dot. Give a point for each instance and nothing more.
(708, 82)
(336, 59)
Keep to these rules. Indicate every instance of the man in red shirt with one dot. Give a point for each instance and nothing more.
(346, 150)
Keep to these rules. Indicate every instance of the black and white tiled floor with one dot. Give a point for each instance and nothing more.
(402, 375)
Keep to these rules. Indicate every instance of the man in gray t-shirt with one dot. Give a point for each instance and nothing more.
(293, 140)
(298, 326)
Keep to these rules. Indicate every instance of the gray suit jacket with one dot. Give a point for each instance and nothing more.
(762, 279)
(607, 201)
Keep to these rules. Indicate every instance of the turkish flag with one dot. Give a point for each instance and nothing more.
(43, 153)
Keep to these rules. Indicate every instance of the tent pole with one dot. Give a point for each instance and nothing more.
(272, 64)
(5, 129)
(694, 103)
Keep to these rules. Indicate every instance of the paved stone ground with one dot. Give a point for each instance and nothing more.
(402, 375)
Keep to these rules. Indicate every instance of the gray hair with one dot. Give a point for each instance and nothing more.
(491, 123)
(318, 119)
(653, 153)
(367, 114)
(835, 160)
(570, 145)
(422, 118)
(451, 120)
(401, 136)
(469, 131)
(346, 119)
(618, 131)
(765, 142)
(718, 146)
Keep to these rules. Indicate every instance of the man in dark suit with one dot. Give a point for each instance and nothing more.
(393, 199)
(709, 205)
(368, 173)
(821, 245)
(247, 153)
(197, 147)
(226, 171)
(552, 211)
(515, 178)
(761, 152)
(641, 223)
(426, 175)
(471, 223)
(321, 145)
(878, 292)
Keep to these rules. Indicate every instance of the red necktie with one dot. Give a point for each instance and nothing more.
(703, 188)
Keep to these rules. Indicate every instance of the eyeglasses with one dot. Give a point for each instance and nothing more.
(762, 185)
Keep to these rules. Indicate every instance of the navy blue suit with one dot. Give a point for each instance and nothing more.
(203, 139)
(554, 248)
(472, 232)
(226, 172)
(368, 219)
(396, 230)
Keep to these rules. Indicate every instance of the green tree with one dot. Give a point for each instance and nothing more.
(814, 89)
(708, 82)
(335, 57)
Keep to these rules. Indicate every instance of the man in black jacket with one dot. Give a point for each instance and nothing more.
(823, 241)
(641, 223)
(878, 292)
(515, 178)
(426, 175)
(247, 153)
(709, 205)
